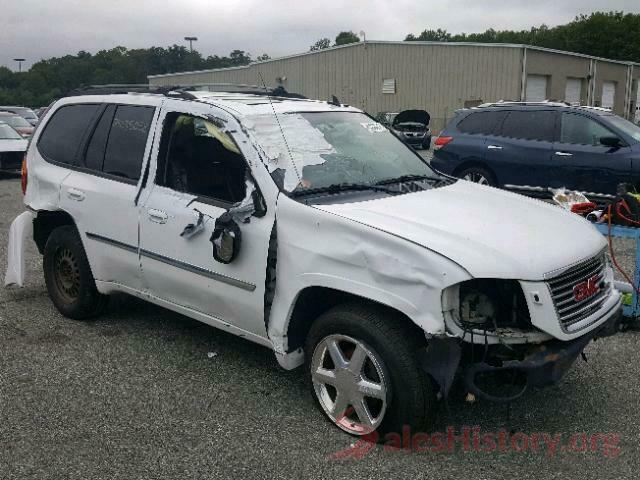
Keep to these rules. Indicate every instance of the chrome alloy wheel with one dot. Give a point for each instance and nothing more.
(350, 383)
(476, 177)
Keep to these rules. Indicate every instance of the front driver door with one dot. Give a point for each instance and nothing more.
(585, 164)
(200, 174)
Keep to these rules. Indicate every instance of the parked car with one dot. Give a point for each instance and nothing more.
(26, 113)
(338, 248)
(19, 124)
(532, 147)
(12, 149)
(411, 126)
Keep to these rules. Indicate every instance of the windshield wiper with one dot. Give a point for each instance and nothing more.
(402, 178)
(343, 187)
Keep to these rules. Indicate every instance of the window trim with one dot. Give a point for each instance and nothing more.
(87, 140)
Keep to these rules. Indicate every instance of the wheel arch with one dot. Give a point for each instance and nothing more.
(312, 301)
(45, 222)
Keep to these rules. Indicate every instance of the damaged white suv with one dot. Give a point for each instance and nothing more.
(309, 228)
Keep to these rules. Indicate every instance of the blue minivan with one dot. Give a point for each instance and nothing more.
(530, 148)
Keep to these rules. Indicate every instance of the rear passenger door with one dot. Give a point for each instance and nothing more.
(583, 162)
(102, 190)
(469, 146)
(519, 150)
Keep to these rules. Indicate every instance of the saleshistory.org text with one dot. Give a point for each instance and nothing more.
(474, 439)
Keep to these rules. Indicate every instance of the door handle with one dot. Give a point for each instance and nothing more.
(75, 194)
(157, 216)
(494, 147)
(564, 154)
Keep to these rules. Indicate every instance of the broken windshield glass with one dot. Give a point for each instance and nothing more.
(321, 149)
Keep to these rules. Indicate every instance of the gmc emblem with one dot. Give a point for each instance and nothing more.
(586, 289)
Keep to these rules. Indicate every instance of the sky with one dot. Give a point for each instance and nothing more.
(38, 29)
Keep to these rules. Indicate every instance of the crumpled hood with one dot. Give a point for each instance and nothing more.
(489, 232)
(414, 116)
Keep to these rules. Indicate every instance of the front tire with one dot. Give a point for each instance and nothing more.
(68, 276)
(363, 371)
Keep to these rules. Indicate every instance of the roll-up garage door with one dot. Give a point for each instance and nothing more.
(536, 88)
(608, 94)
(573, 90)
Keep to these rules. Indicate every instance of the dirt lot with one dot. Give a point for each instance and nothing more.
(139, 393)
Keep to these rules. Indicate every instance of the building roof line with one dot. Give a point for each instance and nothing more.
(392, 42)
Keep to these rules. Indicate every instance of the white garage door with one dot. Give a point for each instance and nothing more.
(536, 88)
(573, 90)
(608, 94)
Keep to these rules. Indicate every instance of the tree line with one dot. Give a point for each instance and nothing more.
(52, 78)
(612, 35)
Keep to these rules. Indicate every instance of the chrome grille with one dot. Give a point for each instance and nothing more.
(562, 287)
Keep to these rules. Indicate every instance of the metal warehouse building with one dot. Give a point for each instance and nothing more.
(380, 76)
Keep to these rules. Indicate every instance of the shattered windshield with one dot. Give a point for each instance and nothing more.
(325, 149)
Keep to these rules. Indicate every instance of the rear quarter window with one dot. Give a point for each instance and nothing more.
(65, 131)
(481, 123)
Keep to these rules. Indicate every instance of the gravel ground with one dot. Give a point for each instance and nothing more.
(136, 394)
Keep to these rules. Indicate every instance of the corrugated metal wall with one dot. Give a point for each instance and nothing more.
(438, 78)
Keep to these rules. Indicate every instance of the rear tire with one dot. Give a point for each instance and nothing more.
(68, 276)
(398, 393)
(478, 175)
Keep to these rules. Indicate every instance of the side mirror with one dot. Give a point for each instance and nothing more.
(611, 141)
(226, 239)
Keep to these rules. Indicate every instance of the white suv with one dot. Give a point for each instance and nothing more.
(309, 228)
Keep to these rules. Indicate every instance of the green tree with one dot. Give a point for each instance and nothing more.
(343, 38)
(320, 45)
(438, 35)
(603, 34)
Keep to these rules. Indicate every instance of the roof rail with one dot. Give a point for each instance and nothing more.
(278, 91)
(545, 103)
(182, 91)
(117, 88)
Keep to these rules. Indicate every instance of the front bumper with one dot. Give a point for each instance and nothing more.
(543, 365)
(422, 141)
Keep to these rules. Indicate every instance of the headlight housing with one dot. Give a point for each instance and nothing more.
(489, 304)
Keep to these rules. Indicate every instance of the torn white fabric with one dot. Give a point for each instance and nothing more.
(242, 211)
(306, 144)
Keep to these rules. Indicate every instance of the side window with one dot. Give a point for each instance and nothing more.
(94, 157)
(481, 122)
(64, 132)
(581, 130)
(529, 125)
(198, 157)
(127, 140)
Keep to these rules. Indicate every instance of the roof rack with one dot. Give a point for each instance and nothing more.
(544, 103)
(183, 91)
